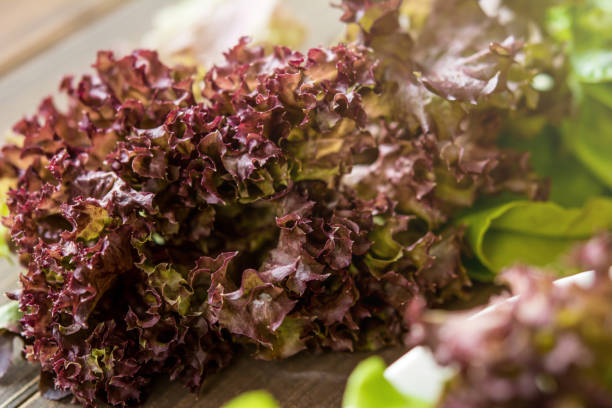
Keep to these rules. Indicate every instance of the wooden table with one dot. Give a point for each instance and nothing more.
(42, 40)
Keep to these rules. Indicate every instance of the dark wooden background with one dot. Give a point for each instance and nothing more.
(40, 41)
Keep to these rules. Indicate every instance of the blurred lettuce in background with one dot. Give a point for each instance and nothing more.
(574, 154)
(198, 32)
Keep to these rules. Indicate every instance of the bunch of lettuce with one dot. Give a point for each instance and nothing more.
(278, 203)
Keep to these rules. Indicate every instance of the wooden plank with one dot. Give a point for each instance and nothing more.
(30, 26)
(19, 383)
(303, 381)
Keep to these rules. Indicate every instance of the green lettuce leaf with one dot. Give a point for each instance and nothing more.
(593, 66)
(590, 136)
(535, 233)
(368, 388)
(601, 92)
(585, 28)
(253, 399)
(571, 183)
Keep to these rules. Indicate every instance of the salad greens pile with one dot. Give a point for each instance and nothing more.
(283, 201)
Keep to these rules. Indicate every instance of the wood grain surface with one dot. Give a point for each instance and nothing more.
(30, 26)
(121, 30)
(19, 384)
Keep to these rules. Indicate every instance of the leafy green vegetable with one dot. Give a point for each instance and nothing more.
(281, 201)
(578, 163)
(585, 27)
(601, 92)
(593, 66)
(571, 183)
(368, 388)
(286, 201)
(534, 233)
(590, 136)
(253, 399)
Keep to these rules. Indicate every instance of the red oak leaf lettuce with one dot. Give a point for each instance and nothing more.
(281, 202)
